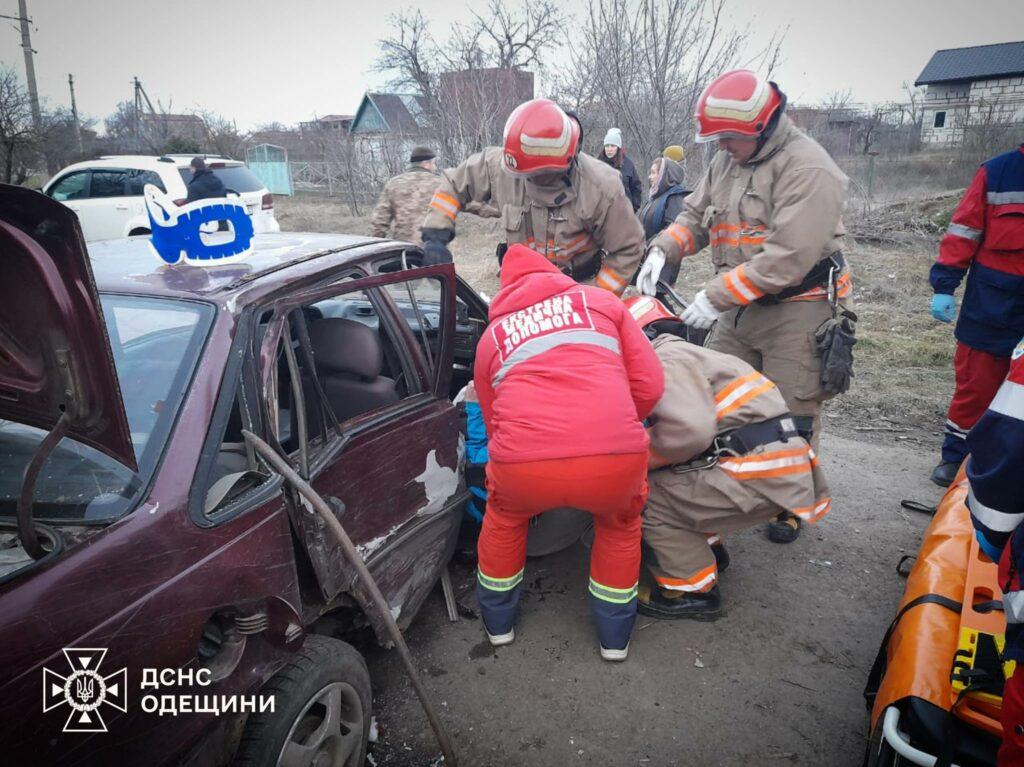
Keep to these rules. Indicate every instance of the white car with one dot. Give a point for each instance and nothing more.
(106, 193)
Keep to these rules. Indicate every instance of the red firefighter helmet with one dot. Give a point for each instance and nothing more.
(539, 138)
(647, 310)
(738, 104)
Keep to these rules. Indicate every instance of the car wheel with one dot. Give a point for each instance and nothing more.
(321, 713)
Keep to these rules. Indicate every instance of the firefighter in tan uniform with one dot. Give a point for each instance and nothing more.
(725, 455)
(770, 207)
(565, 205)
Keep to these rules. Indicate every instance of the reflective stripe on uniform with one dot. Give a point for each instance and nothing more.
(577, 245)
(742, 289)
(780, 463)
(609, 280)
(446, 204)
(1009, 400)
(702, 581)
(815, 512)
(684, 237)
(1004, 198)
(734, 236)
(499, 584)
(739, 392)
(608, 594)
(713, 539)
(995, 520)
(967, 232)
(542, 344)
(1013, 606)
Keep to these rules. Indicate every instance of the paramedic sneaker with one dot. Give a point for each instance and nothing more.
(615, 656)
(675, 605)
(500, 640)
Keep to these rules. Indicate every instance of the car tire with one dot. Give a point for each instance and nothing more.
(327, 679)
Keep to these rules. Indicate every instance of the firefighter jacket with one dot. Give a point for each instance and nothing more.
(708, 393)
(402, 204)
(994, 469)
(567, 224)
(563, 370)
(768, 221)
(985, 241)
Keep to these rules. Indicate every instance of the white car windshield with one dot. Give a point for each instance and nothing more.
(156, 344)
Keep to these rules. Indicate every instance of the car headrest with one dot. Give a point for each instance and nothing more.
(346, 346)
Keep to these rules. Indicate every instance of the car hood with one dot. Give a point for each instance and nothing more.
(55, 354)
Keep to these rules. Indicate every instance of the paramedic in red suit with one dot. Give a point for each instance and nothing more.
(985, 242)
(565, 378)
(994, 469)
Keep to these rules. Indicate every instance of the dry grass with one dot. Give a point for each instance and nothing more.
(904, 358)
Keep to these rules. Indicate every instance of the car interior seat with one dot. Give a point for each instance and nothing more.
(350, 359)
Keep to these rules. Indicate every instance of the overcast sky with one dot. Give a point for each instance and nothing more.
(259, 61)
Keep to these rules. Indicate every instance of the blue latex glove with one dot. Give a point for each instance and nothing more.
(995, 554)
(943, 307)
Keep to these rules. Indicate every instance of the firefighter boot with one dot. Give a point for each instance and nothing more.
(666, 604)
(785, 528)
(944, 474)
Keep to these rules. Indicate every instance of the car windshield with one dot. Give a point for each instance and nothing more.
(236, 178)
(156, 344)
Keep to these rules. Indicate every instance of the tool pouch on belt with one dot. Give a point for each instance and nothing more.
(835, 338)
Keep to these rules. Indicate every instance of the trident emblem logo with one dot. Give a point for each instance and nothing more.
(85, 690)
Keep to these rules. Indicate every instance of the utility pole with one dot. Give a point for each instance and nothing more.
(74, 115)
(30, 67)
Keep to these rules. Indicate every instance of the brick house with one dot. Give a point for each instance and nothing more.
(968, 87)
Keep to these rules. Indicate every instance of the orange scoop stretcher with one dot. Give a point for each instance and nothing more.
(935, 690)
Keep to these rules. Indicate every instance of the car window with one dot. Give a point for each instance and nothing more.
(74, 186)
(236, 178)
(156, 345)
(137, 180)
(107, 183)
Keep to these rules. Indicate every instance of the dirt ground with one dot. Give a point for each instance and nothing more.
(779, 678)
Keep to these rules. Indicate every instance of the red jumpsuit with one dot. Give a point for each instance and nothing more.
(565, 378)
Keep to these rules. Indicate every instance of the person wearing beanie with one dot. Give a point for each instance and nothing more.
(614, 155)
(405, 198)
(674, 153)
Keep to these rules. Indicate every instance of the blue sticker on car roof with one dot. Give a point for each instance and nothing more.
(176, 230)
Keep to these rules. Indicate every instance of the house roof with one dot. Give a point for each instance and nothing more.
(982, 62)
(333, 118)
(401, 112)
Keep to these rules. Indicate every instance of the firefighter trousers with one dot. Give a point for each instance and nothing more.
(978, 377)
(686, 512)
(779, 341)
(613, 488)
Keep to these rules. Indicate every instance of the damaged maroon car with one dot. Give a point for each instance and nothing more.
(164, 596)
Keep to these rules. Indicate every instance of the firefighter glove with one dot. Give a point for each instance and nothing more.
(943, 307)
(650, 271)
(435, 246)
(835, 339)
(700, 314)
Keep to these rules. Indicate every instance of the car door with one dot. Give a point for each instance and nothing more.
(73, 191)
(108, 207)
(388, 463)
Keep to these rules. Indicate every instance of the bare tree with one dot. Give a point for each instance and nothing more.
(517, 38)
(641, 64)
(17, 137)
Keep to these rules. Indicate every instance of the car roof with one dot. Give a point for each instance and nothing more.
(131, 266)
(148, 162)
